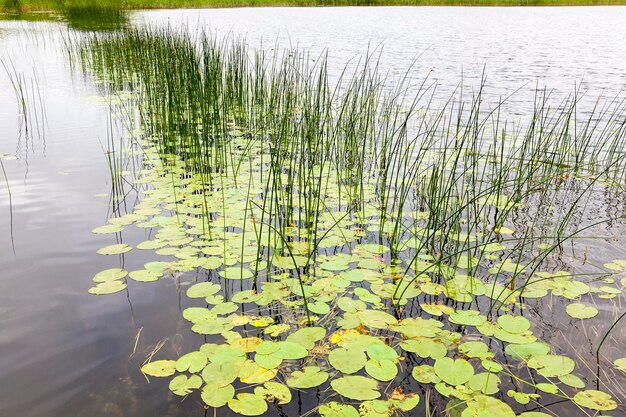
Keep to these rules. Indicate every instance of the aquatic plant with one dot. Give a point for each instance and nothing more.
(349, 233)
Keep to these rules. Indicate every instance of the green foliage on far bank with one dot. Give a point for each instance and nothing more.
(61, 5)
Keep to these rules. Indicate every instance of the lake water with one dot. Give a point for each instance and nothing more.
(66, 353)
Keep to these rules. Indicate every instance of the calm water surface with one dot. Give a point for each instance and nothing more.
(66, 353)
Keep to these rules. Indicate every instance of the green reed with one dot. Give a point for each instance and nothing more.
(447, 178)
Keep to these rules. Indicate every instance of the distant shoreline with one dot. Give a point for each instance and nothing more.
(22, 6)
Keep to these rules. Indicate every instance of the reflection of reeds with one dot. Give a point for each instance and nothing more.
(214, 105)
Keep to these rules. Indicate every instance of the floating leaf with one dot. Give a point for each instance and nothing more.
(203, 289)
(143, 275)
(467, 317)
(382, 370)
(112, 274)
(454, 371)
(109, 287)
(306, 337)
(620, 364)
(356, 387)
(485, 382)
(107, 229)
(425, 347)
(309, 377)
(248, 404)
(192, 362)
(572, 381)
(425, 374)
(380, 351)
(581, 311)
(595, 400)
(335, 409)
(181, 385)
(236, 273)
(274, 392)
(160, 368)
(486, 406)
(526, 351)
(220, 373)
(551, 365)
(217, 396)
(376, 319)
(347, 361)
(116, 249)
(513, 324)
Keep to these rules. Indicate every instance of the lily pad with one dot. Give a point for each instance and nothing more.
(181, 385)
(112, 274)
(116, 249)
(192, 362)
(217, 396)
(248, 404)
(203, 289)
(453, 371)
(109, 287)
(581, 311)
(335, 409)
(309, 377)
(513, 324)
(160, 368)
(382, 370)
(595, 400)
(356, 387)
(347, 361)
(552, 365)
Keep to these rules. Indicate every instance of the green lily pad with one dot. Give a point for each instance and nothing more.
(380, 351)
(526, 351)
(192, 362)
(112, 274)
(425, 347)
(107, 229)
(221, 373)
(181, 385)
(620, 364)
(572, 381)
(274, 392)
(203, 289)
(347, 361)
(143, 275)
(595, 400)
(581, 311)
(513, 324)
(552, 365)
(486, 406)
(376, 319)
(356, 387)
(309, 377)
(217, 396)
(108, 287)
(467, 317)
(335, 409)
(382, 370)
(453, 371)
(236, 273)
(425, 374)
(307, 337)
(248, 404)
(485, 382)
(116, 249)
(160, 368)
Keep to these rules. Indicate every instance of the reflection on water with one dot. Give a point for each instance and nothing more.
(63, 352)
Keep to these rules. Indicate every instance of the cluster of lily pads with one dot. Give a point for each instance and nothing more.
(358, 339)
(347, 241)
